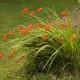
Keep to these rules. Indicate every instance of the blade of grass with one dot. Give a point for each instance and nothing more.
(52, 56)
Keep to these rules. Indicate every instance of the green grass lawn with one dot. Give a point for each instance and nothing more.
(11, 17)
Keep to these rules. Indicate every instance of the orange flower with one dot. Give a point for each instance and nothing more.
(13, 52)
(11, 32)
(45, 38)
(32, 13)
(39, 25)
(10, 55)
(20, 28)
(39, 10)
(64, 13)
(61, 40)
(62, 26)
(16, 61)
(1, 54)
(65, 25)
(5, 37)
(74, 37)
(24, 31)
(22, 57)
(30, 26)
(25, 10)
(47, 28)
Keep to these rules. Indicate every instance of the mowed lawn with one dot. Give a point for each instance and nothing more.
(11, 18)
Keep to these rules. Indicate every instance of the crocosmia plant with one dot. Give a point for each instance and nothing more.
(51, 44)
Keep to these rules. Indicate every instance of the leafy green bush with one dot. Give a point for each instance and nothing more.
(52, 44)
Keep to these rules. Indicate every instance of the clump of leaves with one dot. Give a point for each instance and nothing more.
(51, 45)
